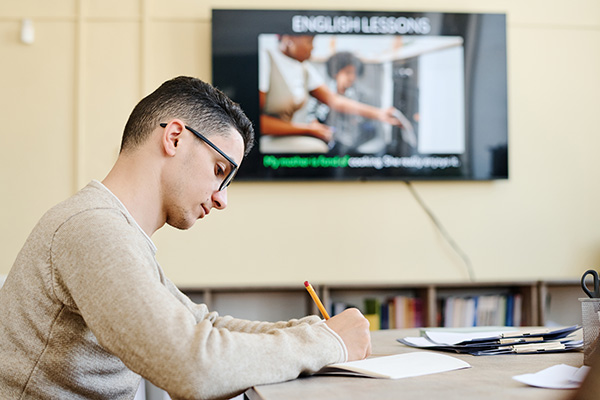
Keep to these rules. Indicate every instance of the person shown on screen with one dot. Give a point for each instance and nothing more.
(352, 130)
(286, 80)
(344, 67)
(86, 309)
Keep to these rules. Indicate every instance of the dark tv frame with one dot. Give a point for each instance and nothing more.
(235, 71)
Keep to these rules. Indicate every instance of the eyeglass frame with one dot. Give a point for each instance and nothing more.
(200, 136)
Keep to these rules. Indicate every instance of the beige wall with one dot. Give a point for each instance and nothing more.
(65, 98)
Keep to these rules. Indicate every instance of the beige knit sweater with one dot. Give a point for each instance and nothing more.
(86, 310)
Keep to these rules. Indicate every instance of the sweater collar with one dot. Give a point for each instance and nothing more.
(100, 186)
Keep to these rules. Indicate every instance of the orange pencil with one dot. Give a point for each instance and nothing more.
(316, 299)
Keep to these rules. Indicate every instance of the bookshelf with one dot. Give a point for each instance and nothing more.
(433, 297)
(541, 302)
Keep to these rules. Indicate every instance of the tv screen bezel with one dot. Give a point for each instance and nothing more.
(235, 71)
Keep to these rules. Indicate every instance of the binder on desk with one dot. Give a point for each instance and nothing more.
(476, 342)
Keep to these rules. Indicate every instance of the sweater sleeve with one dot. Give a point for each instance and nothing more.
(200, 311)
(103, 268)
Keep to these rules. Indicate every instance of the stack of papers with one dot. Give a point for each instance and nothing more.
(479, 343)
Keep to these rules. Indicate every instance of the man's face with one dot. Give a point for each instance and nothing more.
(192, 187)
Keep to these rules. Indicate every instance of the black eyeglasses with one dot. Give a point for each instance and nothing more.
(234, 166)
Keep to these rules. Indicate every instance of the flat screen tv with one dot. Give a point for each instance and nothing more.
(356, 95)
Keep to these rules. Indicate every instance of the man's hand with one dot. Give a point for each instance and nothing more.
(353, 328)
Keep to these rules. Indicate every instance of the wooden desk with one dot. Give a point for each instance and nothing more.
(490, 377)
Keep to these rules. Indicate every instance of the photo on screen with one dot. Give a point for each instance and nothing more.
(419, 78)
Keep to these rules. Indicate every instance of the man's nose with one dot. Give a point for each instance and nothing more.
(219, 199)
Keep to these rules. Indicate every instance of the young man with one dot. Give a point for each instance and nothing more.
(86, 309)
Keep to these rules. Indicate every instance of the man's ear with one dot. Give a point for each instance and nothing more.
(171, 135)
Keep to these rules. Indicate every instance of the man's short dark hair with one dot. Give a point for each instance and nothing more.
(198, 104)
(341, 60)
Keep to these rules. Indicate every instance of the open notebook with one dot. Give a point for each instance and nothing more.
(397, 366)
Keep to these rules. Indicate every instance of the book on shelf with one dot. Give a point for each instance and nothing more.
(485, 310)
(373, 313)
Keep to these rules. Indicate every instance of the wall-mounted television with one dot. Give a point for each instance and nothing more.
(357, 95)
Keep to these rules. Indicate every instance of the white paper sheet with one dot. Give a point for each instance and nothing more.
(559, 376)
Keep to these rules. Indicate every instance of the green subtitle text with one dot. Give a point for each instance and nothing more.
(320, 161)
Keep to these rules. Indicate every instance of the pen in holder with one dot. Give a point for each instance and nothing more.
(590, 316)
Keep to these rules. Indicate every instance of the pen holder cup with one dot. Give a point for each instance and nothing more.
(590, 318)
